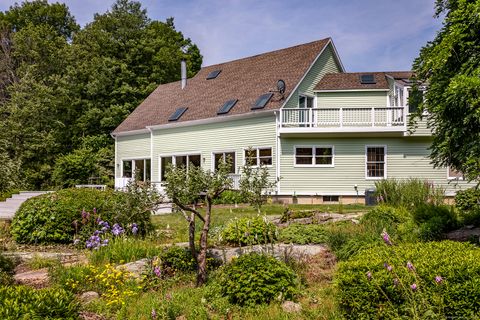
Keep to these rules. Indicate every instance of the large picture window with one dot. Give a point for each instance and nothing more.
(375, 164)
(258, 156)
(140, 169)
(320, 156)
(179, 161)
(225, 156)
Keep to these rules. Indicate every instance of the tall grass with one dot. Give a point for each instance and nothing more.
(123, 250)
(409, 193)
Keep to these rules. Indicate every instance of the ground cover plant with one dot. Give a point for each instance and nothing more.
(249, 231)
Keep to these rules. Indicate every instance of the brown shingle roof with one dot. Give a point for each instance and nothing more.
(346, 81)
(244, 79)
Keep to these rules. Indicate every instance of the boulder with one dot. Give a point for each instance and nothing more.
(291, 307)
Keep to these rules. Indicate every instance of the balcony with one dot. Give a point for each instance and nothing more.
(378, 119)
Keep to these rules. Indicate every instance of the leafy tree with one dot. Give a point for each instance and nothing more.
(184, 187)
(450, 66)
(254, 185)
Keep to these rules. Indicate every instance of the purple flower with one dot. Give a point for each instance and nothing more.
(395, 282)
(94, 210)
(154, 314)
(438, 279)
(413, 287)
(85, 214)
(117, 229)
(388, 267)
(369, 275)
(134, 229)
(104, 242)
(410, 266)
(157, 271)
(386, 238)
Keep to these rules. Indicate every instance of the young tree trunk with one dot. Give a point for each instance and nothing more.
(202, 254)
(191, 235)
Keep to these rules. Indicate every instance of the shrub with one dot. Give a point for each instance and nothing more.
(289, 214)
(408, 193)
(434, 221)
(249, 231)
(255, 279)
(304, 234)
(230, 197)
(21, 302)
(57, 217)
(7, 270)
(434, 280)
(468, 203)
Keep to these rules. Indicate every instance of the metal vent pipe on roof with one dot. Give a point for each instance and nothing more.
(183, 65)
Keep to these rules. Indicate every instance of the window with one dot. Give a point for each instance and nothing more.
(367, 78)
(415, 99)
(305, 102)
(375, 162)
(321, 156)
(453, 174)
(179, 161)
(225, 156)
(258, 156)
(213, 74)
(177, 114)
(262, 101)
(330, 198)
(227, 106)
(138, 168)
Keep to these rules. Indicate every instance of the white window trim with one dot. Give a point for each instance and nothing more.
(384, 164)
(212, 157)
(295, 165)
(160, 156)
(133, 166)
(453, 178)
(258, 155)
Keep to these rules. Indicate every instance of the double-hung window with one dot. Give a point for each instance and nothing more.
(186, 161)
(258, 156)
(375, 162)
(140, 169)
(319, 156)
(225, 157)
(453, 174)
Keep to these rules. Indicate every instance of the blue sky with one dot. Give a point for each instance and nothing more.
(370, 35)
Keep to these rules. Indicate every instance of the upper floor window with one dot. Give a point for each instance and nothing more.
(321, 156)
(375, 162)
(225, 157)
(258, 156)
(305, 101)
(140, 169)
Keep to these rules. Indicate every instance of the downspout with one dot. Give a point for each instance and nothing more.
(116, 161)
(151, 153)
(277, 151)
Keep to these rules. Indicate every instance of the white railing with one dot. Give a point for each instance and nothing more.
(235, 181)
(340, 117)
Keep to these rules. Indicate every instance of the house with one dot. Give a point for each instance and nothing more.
(324, 134)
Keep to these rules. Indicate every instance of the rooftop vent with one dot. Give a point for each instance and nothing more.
(367, 78)
(213, 74)
(227, 106)
(177, 114)
(262, 101)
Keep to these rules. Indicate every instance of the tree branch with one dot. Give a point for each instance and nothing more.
(187, 208)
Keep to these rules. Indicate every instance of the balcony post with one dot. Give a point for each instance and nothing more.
(373, 116)
(341, 117)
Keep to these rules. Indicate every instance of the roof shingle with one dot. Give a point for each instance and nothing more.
(244, 79)
(351, 80)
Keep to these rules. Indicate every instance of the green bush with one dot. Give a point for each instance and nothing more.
(256, 279)
(230, 197)
(289, 214)
(378, 283)
(408, 193)
(304, 234)
(468, 203)
(249, 231)
(57, 217)
(20, 302)
(434, 221)
(7, 270)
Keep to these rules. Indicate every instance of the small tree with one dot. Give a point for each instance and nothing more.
(184, 188)
(254, 184)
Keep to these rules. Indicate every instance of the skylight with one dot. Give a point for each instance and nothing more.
(227, 106)
(213, 74)
(367, 78)
(262, 101)
(177, 114)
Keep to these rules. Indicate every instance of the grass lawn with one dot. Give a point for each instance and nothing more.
(172, 228)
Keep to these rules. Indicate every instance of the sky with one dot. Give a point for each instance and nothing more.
(370, 35)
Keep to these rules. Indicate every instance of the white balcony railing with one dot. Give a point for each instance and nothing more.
(344, 117)
(235, 181)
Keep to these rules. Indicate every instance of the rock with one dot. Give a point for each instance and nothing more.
(356, 221)
(135, 267)
(89, 296)
(182, 317)
(37, 278)
(291, 307)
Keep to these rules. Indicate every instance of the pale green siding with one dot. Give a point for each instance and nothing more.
(420, 129)
(406, 158)
(352, 99)
(326, 63)
(215, 137)
(132, 147)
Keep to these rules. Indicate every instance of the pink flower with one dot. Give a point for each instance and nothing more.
(413, 287)
(388, 267)
(438, 279)
(386, 238)
(369, 275)
(410, 266)
(395, 282)
(154, 314)
(157, 271)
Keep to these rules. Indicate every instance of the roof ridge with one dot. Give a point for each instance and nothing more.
(269, 52)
